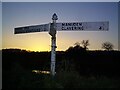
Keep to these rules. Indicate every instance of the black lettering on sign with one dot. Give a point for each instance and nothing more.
(62, 28)
(75, 24)
(72, 24)
(80, 24)
(63, 24)
(68, 24)
(72, 28)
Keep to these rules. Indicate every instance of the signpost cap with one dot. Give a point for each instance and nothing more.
(54, 17)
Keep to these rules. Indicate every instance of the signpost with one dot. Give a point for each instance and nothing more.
(53, 27)
(52, 32)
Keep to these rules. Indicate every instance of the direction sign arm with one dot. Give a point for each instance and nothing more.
(34, 28)
(83, 26)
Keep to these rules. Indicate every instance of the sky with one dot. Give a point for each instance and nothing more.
(0, 45)
(59, 0)
(0, 24)
(15, 14)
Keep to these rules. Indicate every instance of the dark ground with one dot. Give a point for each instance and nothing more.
(75, 67)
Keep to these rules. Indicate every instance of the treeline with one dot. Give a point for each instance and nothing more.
(28, 60)
(106, 63)
(74, 58)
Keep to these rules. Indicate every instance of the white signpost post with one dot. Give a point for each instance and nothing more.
(53, 27)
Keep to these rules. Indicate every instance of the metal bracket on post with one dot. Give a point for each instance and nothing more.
(52, 32)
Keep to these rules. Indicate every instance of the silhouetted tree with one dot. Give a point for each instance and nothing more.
(77, 44)
(85, 43)
(69, 49)
(107, 46)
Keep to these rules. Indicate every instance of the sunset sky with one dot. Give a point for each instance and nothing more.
(15, 14)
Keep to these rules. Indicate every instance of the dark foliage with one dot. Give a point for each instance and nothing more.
(17, 65)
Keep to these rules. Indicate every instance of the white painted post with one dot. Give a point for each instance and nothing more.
(53, 41)
(53, 55)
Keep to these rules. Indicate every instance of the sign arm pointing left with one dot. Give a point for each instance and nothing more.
(31, 29)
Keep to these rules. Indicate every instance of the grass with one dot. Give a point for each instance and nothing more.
(72, 79)
(62, 79)
(20, 78)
